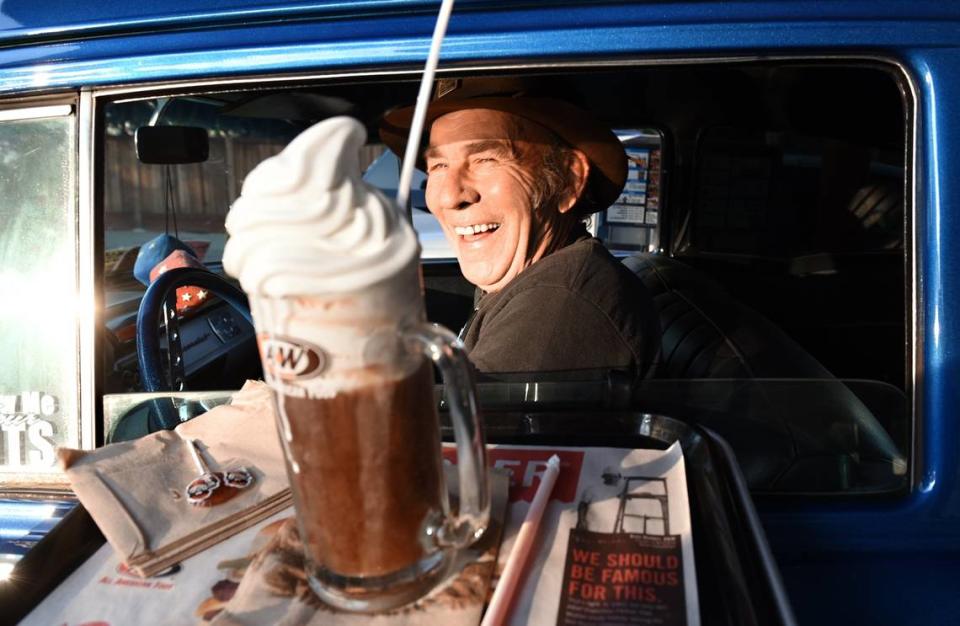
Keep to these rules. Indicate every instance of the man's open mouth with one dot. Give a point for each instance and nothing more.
(475, 229)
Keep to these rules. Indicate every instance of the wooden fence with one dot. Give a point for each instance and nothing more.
(201, 192)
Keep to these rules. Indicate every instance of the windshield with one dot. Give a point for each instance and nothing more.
(189, 201)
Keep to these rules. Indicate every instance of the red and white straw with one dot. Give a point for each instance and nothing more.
(511, 579)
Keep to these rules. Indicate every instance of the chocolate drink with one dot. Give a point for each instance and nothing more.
(368, 472)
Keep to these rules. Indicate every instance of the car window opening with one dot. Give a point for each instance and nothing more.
(765, 211)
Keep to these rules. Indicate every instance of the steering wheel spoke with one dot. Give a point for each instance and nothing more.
(171, 323)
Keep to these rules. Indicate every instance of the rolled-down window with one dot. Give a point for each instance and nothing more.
(39, 304)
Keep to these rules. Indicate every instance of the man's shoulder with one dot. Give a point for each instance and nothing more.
(572, 266)
(579, 305)
(585, 270)
(585, 267)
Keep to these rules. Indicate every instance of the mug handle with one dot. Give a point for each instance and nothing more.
(446, 351)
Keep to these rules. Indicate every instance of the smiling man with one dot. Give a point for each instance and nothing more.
(512, 178)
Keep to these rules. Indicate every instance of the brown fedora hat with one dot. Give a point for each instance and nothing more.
(573, 125)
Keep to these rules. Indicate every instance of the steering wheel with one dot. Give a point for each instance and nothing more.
(160, 299)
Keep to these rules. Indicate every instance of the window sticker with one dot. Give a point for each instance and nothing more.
(28, 421)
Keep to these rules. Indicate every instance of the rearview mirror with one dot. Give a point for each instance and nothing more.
(172, 144)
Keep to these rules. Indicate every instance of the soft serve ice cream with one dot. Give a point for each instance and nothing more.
(306, 222)
(327, 260)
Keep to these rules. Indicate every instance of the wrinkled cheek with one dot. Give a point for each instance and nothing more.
(527, 237)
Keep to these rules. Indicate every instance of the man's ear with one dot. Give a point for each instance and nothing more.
(579, 172)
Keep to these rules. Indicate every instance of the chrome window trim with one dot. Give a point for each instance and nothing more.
(86, 267)
(913, 332)
(35, 113)
(142, 91)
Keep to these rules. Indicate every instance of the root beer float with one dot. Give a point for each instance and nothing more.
(331, 269)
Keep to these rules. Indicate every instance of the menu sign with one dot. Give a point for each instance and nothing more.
(631, 222)
(629, 207)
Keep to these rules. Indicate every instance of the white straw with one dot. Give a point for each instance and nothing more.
(423, 99)
(511, 578)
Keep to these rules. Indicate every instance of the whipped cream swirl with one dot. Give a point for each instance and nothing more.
(306, 223)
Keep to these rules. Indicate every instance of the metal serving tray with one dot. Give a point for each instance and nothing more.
(738, 581)
(737, 578)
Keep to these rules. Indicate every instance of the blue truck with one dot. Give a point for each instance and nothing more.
(787, 206)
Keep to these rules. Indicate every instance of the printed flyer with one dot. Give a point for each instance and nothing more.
(614, 547)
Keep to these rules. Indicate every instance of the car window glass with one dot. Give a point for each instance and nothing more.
(769, 231)
(786, 194)
(39, 307)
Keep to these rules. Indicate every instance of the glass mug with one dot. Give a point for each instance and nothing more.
(359, 428)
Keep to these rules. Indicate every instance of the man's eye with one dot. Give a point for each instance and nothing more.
(486, 159)
(432, 167)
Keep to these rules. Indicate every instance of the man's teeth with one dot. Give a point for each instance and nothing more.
(476, 228)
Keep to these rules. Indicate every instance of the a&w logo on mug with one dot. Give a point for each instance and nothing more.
(288, 359)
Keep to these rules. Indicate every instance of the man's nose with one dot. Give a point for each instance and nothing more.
(455, 190)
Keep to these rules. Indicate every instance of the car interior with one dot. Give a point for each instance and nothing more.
(767, 218)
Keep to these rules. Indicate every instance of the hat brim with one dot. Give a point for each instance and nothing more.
(574, 126)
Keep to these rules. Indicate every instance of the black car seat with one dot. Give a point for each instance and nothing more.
(729, 368)
(708, 334)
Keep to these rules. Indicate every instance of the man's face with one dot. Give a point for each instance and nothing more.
(481, 186)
